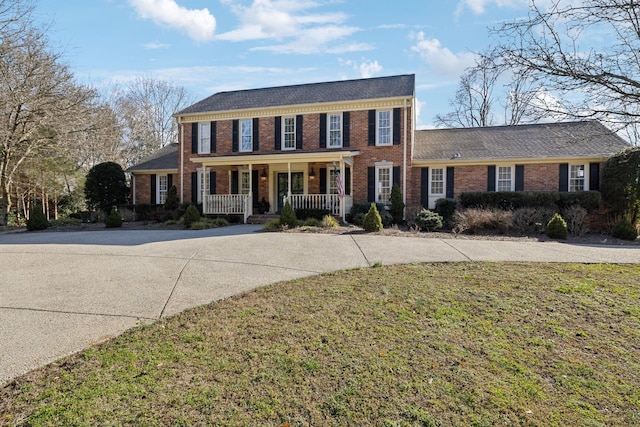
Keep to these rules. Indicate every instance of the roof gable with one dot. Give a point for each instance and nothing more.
(313, 93)
(165, 158)
(537, 141)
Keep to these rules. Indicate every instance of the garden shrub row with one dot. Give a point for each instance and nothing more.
(508, 200)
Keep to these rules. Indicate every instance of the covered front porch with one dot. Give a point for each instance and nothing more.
(256, 184)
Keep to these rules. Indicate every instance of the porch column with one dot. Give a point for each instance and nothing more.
(250, 204)
(289, 180)
(344, 185)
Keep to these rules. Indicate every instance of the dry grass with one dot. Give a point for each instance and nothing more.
(432, 344)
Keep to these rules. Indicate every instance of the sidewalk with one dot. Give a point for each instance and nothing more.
(61, 292)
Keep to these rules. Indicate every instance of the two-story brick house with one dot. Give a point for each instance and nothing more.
(238, 148)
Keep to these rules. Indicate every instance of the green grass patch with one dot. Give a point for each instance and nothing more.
(412, 345)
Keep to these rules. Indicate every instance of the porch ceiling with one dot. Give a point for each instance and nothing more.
(278, 158)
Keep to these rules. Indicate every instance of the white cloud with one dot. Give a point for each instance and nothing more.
(366, 69)
(156, 45)
(198, 24)
(441, 60)
(294, 24)
(478, 6)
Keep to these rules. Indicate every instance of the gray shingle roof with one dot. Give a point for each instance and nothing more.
(312, 93)
(545, 140)
(162, 159)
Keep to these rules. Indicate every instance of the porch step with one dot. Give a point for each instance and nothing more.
(261, 218)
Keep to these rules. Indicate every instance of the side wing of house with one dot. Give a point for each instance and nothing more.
(544, 157)
(153, 176)
(320, 146)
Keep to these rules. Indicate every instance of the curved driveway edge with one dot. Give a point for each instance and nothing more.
(61, 292)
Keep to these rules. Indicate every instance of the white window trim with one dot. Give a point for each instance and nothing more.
(585, 179)
(207, 183)
(444, 181)
(512, 184)
(329, 130)
(379, 166)
(241, 173)
(241, 137)
(202, 136)
(378, 143)
(159, 191)
(283, 126)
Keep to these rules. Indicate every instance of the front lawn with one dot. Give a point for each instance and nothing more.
(425, 345)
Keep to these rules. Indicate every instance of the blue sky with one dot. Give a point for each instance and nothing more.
(209, 46)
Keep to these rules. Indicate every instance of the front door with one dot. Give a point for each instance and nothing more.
(297, 186)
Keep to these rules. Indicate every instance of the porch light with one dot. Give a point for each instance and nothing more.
(264, 175)
(312, 174)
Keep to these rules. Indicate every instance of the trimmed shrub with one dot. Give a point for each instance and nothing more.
(312, 213)
(446, 208)
(475, 220)
(191, 216)
(311, 222)
(620, 185)
(106, 186)
(358, 219)
(512, 200)
(288, 216)
(372, 220)
(37, 220)
(557, 228)
(274, 224)
(206, 223)
(329, 221)
(397, 205)
(113, 220)
(172, 202)
(428, 220)
(625, 230)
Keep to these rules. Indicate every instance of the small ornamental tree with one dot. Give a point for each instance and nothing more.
(172, 202)
(191, 216)
(37, 220)
(113, 220)
(397, 205)
(288, 216)
(428, 220)
(372, 220)
(106, 186)
(557, 228)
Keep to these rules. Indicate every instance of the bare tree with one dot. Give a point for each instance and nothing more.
(145, 111)
(484, 88)
(559, 45)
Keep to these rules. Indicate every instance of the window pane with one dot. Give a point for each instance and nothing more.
(247, 135)
(384, 127)
(576, 177)
(335, 130)
(384, 184)
(289, 129)
(162, 189)
(204, 138)
(504, 178)
(244, 182)
(437, 181)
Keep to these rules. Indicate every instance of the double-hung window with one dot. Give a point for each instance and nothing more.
(245, 176)
(504, 178)
(204, 138)
(384, 182)
(203, 183)
(289, 133)
(437, 181)
(383, 128)
(246, 135)
(334, 124)
(576, 177)
(163, 183)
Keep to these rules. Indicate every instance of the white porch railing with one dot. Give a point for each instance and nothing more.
(228, 204)
(320, 201)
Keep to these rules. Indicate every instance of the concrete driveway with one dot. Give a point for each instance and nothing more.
(61, 292)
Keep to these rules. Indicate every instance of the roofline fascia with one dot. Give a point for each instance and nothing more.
(284, 110)
(148, 171)
(275, 158)
(507, 161)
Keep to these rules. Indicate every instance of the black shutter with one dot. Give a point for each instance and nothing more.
(563, 180)
(194, 187)
(347, 181)
(491, 178)
(371, 184)
(323, 180)
(169, 181)
(450, 181)
(594, 177)
(234, 182)
(254, 187)
(371, 128)
(278, 134)
(299, 132)
(234, 136)
(346, 129)
(424, 187)
(396, 176)
(256, 134)
(212, 182)
(212, 141)
(323, 130)
(519, 177)
(396, 126)
(194, 138)
(153, 200)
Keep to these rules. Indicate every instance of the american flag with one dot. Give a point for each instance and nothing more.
(339, 185)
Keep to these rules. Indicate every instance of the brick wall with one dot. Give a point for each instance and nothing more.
(143, 189)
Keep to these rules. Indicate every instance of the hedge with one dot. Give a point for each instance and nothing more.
(508, 200)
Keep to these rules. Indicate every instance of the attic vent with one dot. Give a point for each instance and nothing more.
(456, 156)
